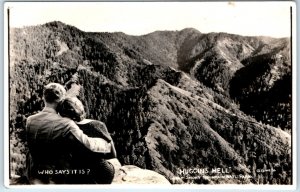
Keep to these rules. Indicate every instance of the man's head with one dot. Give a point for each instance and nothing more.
(54, 93)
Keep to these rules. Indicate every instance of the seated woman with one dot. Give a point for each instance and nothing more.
(94, 169)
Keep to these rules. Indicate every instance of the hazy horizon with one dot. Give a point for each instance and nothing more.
(270, 19)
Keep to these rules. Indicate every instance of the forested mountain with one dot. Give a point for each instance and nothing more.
(171, 99)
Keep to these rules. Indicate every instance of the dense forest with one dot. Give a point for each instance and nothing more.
(170, 99)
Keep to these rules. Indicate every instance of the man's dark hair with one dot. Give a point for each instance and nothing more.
(54, 92)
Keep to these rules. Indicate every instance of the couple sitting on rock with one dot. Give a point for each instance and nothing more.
(64, 147)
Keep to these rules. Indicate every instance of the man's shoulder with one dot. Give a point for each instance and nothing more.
(35, 116)
(43, 115)
(51, 117)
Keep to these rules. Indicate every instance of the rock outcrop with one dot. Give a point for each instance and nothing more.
(130, 174)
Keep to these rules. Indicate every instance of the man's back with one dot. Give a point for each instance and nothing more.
(49, 146)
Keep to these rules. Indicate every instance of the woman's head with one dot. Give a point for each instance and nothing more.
(72, 108)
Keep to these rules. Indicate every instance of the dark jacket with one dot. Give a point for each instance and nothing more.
(52, 140)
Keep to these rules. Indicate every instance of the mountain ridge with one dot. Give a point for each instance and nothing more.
(163, 117)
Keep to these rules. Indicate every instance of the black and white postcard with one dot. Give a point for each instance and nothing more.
(171, 94)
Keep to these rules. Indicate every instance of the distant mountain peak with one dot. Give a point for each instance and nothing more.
(61, 25)
(55, 23)
(190, 30)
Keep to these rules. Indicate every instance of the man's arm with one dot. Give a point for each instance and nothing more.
(113, 153)
(97, 145)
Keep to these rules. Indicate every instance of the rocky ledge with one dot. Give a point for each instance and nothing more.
(130, 174)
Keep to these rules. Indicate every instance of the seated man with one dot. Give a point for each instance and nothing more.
(52, 139)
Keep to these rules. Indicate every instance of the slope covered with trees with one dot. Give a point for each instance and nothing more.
(169, 99)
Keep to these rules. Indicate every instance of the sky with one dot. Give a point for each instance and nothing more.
(138, 18)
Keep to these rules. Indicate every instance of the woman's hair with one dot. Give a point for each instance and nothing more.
(72, 108)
